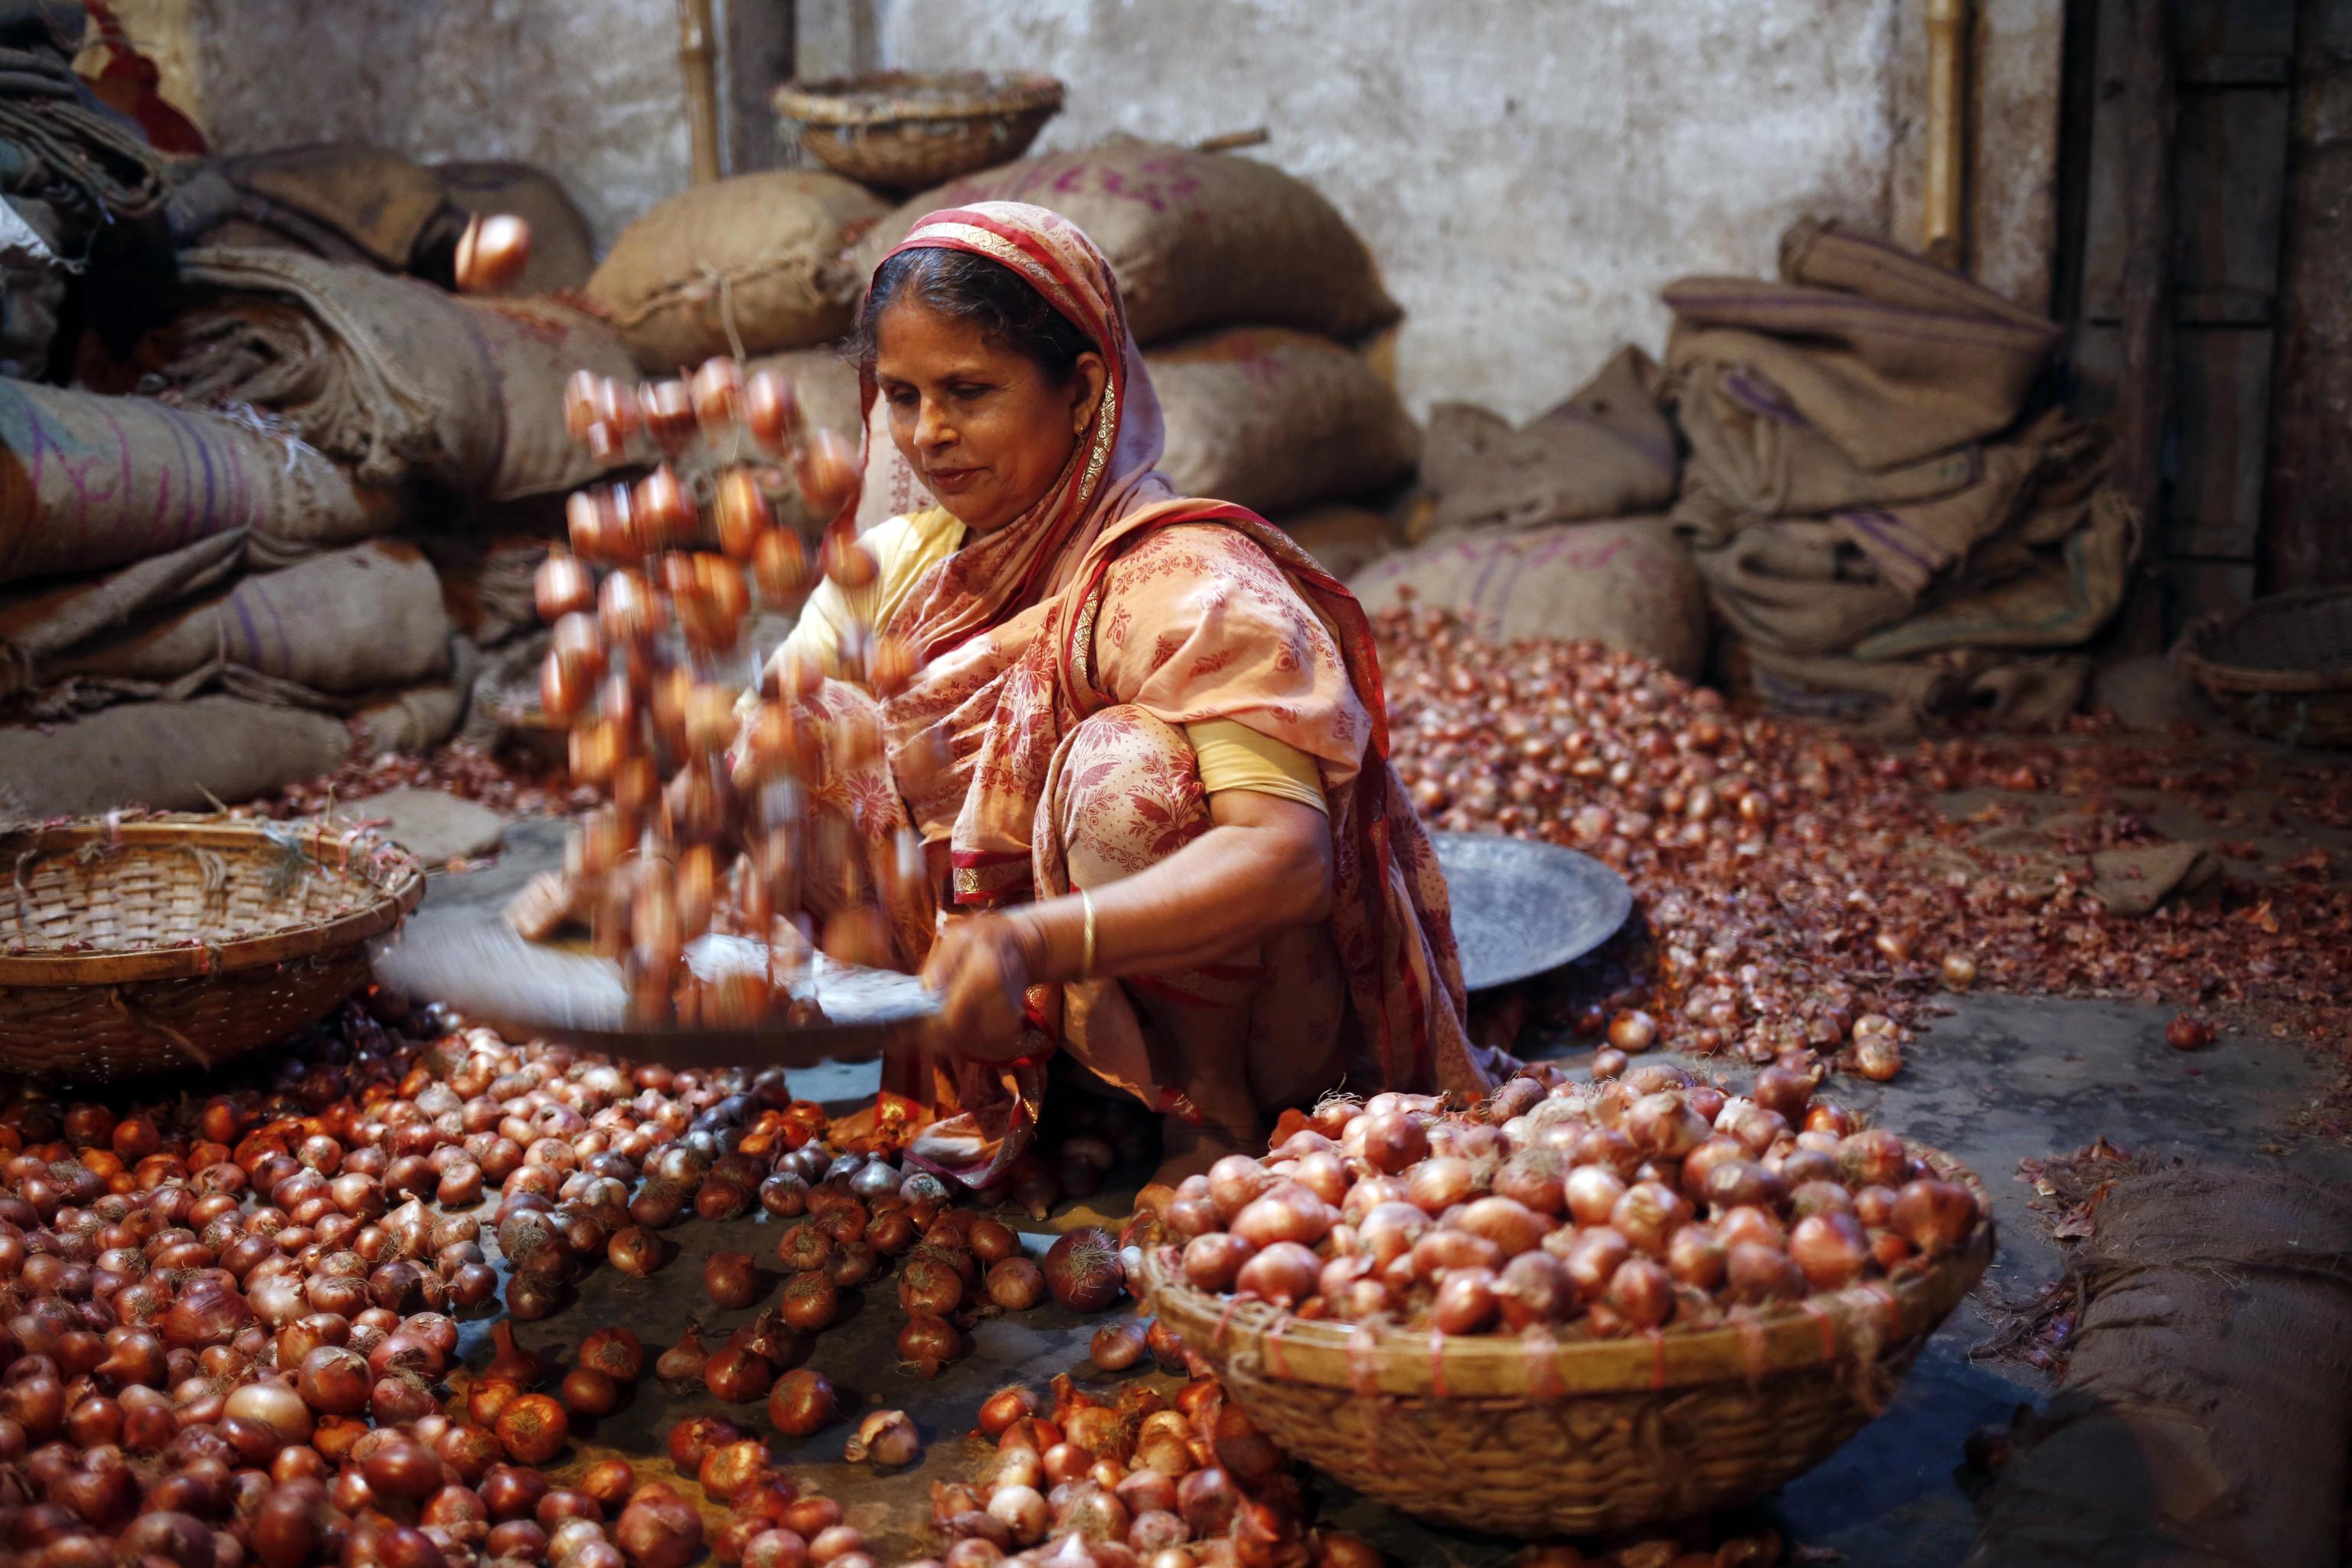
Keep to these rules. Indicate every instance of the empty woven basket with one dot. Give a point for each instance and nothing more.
(2281, 667)
(180, 942)
(906, 130)
(1574, 1435)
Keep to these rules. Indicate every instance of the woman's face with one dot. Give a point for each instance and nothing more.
(986, 428)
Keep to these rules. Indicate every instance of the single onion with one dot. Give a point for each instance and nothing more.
(731, 1279)
(1082, 1272)
(800, 1403)
(886, 1438)
(1284, 1274)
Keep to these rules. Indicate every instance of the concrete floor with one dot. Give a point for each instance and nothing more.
(1999, 1079)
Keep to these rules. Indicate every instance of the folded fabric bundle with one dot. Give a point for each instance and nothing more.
(392, 377)
(1888, 357)
(315, 635)
(93, 482)
(1606, 451)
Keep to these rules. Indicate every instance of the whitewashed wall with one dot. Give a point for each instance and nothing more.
(1528, 172)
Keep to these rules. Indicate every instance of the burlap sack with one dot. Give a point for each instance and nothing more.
(762, 253)
(1196, 240)
(533, 346)
(486, 587)
(43, 623)
(416, 720)
(1628, 584)
(562, 246)
(164, 754)
(1607, 451)
(346, 201)
(2023, 558)
(359, 620)
(1344, 540)
(825, 384)
(2061, 597)
(394, 378)
(2207, 1409)
(423, 716)
(1277, 420)
(2033, 488)
(1796, 585)
(1901, 698)
(88, 482)
(1750, 446)
(1888, 357)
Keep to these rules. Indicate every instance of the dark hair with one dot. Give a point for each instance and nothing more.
(971, 288)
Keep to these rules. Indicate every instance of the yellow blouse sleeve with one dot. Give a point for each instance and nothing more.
(904, 548)
(1232, 755)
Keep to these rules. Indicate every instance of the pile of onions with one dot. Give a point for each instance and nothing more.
(230, 1328)
(1799, 883)
(1615, 1206)
(1145, 1481)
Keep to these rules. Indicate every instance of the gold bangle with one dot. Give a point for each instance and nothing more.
(1087, 957)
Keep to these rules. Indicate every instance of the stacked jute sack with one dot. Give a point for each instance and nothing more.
(370, 206)
(1251, 295)
(1885, 527)
(1556, 528)
(212, 578)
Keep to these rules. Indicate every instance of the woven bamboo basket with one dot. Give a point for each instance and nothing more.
(908, 131)
(176, 942)
(2281, 667)
(1569, 1435)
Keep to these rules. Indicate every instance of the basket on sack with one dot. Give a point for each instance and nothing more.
(2281, 667)
(140, 945)
(908, 131)
(1569, 1435)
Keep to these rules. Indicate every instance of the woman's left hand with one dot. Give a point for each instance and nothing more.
(981, 966)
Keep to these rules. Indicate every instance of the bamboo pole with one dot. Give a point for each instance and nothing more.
(1945, 241)
(697, 56)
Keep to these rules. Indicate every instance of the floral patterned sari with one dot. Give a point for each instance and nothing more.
(1114, 592)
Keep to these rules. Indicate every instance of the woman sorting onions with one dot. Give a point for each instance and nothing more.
(1143, 751)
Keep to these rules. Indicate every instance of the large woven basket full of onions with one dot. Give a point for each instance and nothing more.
(1588, 1308)
(132, 947)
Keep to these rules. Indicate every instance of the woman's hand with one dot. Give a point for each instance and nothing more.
(980, 966)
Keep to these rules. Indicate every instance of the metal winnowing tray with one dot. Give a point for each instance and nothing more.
(1521, 908)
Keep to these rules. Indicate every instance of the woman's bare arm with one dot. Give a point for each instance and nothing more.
(1263, 867)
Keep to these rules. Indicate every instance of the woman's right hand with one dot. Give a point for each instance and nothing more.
(981, 967)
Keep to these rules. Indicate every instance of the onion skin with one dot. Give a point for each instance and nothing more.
(1082, 1269)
